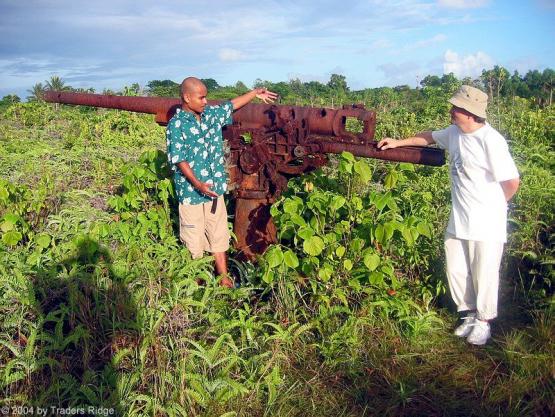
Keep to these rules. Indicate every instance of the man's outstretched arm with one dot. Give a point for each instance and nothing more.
(261, 93)
(420, 139)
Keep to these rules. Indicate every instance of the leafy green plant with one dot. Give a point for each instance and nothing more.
(101, 305)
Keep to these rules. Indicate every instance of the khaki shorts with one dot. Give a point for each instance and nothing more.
(203, 231)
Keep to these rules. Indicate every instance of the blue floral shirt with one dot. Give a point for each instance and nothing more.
(199, 143)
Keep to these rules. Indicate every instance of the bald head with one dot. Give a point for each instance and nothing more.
(193, 94)
(191, 85)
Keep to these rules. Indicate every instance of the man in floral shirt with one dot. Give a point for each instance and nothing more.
(196, 155)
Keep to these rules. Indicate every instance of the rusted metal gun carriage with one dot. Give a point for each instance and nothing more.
(268, 145)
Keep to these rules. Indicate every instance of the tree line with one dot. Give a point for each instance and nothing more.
(497, 82)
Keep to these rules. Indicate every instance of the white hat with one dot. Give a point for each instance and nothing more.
(471, 99)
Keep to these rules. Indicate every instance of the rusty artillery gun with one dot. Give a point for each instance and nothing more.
(284, 141)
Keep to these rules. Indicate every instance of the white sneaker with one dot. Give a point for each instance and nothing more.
(466, 327)
(480, 333)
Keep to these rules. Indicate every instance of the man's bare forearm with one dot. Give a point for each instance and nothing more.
(262, 93)
(188, 173)
(420, 139)
(240, 101)
(510, 187)
(202, 187)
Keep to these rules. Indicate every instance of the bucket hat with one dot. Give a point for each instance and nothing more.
(471, 99)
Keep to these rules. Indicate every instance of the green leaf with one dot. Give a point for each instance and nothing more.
(405, 166)
(291, 259)
(268, 277)
(363, 170)
(347, 156)
(407, 235)
(381, 201)
(376, 278)
(325, 272)
(357, 244)
(7, 226)
(104, 230)
(10, 222)
(380, 233)
(391, 180)
(290, 206)
(274, 256)
(371, 260)
(337, 202)
(4, 194)
(389, 229)
(340, 251)
(274, 211)
(43, 240)
(345, 167)
(298, 220)
(33, 258)
(424, 229)
(356, 202)
(388, 270)
(12, 237)
(12, 218)
(306, 266)
(305, 233)
(347, 264)
(313, 245)
(331, 238)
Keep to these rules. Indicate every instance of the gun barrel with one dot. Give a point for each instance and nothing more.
(162, 107)
(320, 121)
(412, 154)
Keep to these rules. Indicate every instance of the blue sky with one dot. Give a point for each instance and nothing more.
(110, 44)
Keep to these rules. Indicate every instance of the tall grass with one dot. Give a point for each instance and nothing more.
(100, 305)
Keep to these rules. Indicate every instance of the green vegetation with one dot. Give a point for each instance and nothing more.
(100, 305)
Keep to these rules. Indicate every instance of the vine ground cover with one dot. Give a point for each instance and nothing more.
(100, 304)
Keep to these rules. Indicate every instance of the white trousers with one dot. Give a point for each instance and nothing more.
(473, 274)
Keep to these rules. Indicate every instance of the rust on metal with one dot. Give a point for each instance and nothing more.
(162, 107)
(413, 154)
(268, 145)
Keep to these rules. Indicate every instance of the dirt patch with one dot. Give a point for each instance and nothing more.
(99, 203)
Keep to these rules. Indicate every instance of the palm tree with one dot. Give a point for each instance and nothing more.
(37, 92)
(57, 84)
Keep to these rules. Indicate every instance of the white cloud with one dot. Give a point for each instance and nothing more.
(425, 43)
(111, 44)
(463, 4)
(523, 64)
(400, 72)
(466, 66)
(229, 54)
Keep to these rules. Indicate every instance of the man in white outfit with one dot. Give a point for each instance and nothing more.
(483, 179)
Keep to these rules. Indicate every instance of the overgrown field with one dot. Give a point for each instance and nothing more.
(100, 304)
